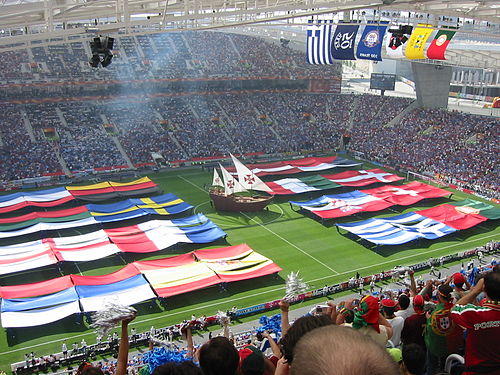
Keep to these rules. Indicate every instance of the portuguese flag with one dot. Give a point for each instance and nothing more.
(438, 46)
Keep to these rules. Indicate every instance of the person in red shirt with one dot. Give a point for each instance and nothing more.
(413, 329)
(482, 355)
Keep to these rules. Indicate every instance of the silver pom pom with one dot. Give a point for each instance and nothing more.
(294, 286)
(111, 314)
(222, 318)
(159, 342)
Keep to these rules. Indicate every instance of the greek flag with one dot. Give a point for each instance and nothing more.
(319, 38)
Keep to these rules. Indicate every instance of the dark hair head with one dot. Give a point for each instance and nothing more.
(90, 370)
(444, 292)
(174, 368)
(492, 285)
(404, 301)
(414, 358)
(218, 356)
(388, 311)
(298, 329)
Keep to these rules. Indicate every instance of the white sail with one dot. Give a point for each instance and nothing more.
(231, 185)
(248, 179)
(217, 180)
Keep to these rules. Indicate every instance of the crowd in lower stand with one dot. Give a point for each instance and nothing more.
(443, 322)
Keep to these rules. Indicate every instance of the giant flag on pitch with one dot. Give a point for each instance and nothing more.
(319, 37)
(35, 311)
(430, 224)
(109, 189)
(343, 42)
(311, 164)
(23, 221)
(48, 301)
(416, 45)
(370, 44)
(41, 198)
(339, 205)
(439, 44)
(287, 186)
(155, 235)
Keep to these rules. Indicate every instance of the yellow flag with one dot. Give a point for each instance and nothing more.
(416, 44)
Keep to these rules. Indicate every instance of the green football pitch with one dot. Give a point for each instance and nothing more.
(292, 240)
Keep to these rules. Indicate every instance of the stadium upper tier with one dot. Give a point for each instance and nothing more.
(186, 55)
(41, 138)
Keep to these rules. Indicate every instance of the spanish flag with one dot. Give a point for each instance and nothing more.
(416, 44)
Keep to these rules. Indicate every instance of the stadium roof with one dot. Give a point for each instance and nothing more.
(23, 21)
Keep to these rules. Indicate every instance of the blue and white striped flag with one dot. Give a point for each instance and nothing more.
(319, 38)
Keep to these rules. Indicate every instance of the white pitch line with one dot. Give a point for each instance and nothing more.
(276, 234)
(290, 243)
(247, 296)
(189, 182)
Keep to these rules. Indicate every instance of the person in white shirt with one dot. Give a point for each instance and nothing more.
(64, 349)
(397, 322)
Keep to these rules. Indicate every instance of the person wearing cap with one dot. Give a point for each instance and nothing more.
(369, 321)
(254, 362)
(459, 291)
(397, 322)
(483, 326)
(413, 328)
(438, 331)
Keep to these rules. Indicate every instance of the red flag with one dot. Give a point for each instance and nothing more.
(438, 46)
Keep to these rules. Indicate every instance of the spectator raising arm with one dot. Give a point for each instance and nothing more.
(285, 321)
(122, 362)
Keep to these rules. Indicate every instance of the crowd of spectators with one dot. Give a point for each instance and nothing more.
(460, 148)
(84, 143)
(414, 328)
(457, 146)
(185, 54)
(22, 156)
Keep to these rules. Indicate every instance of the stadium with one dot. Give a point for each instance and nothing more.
(236, 188)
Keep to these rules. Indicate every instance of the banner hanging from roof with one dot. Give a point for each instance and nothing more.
(416, 44)
(370, 44)
(439, 44)
(319, 37)
(397, 39)
(343, 42)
